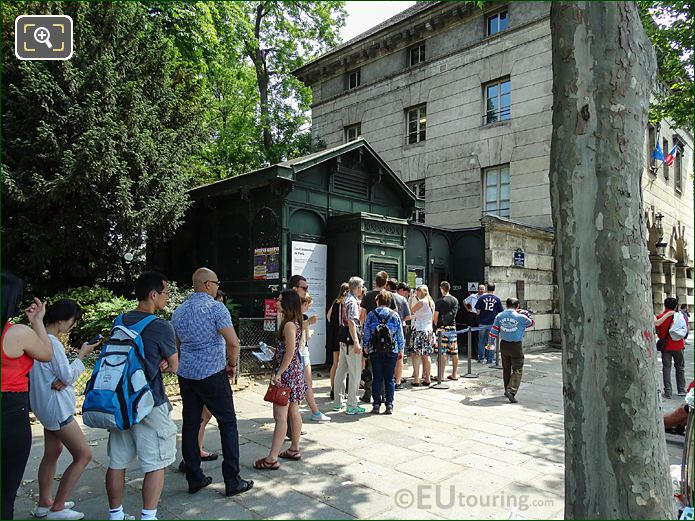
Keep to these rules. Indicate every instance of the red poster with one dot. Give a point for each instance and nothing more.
(271, 309)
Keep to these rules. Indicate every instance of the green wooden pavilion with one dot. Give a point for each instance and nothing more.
(336, 213)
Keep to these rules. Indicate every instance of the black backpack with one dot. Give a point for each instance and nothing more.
(382, 341)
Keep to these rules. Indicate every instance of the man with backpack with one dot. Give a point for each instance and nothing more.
(153, 439)
(209, 349)
(383, 338)
(367, 305)
(671, 329)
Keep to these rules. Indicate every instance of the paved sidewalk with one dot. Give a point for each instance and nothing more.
(460, 453)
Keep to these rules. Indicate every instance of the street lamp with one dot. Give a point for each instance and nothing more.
(660, 245)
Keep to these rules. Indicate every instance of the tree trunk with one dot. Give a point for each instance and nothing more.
(259, 58)
(615, 451)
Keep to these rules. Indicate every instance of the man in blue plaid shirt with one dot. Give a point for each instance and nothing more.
(383, 364)
(208, 349)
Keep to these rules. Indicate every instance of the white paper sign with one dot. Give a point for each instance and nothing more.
(309, 260)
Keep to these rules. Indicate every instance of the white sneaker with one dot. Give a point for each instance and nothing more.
(320, 417)
(66, 513)
(43, 511)
(126, 517)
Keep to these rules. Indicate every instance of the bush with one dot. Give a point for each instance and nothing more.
(101, 306)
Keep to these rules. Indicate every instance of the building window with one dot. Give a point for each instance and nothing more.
(677, 167)
(353, 132)
(417, 124)
(498, 100)
(416, 54)
(353, 79)
(496, 184)
(418, 188)
(664, 144)
(651, 146)
(496, 23)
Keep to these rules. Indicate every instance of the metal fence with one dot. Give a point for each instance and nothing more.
(251, 331)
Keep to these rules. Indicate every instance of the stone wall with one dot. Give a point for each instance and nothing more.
(534, 283)
(459, 145)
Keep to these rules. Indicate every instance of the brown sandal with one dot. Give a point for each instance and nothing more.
(264, 464)
(290, 454)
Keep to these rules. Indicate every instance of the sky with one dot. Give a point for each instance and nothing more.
(365, 15)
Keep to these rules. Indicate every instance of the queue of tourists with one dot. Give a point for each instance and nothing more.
(125, 394)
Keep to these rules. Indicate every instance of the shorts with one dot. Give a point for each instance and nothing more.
(421, 342)
(66, 421)
(152, 441)
(304, 353)
(450, 345)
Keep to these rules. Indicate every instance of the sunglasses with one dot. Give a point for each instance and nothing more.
(214, 282)
(304, 287)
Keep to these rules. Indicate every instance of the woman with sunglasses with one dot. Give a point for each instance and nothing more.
(288, 370)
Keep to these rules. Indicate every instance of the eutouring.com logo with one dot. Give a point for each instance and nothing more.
(426, 497)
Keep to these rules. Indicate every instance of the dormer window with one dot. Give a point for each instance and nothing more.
(353, 79)
(416, 54)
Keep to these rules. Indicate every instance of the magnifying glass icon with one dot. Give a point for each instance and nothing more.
(42, 35)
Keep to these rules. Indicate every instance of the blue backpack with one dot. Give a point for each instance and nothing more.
(118, 395)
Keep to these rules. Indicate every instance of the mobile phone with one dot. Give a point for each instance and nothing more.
(95, 339)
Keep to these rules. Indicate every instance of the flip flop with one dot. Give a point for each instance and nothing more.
(451, 378)
(415, 384)
(264, 464)
(290, 454)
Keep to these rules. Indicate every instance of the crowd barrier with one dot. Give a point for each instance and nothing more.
(469, 374)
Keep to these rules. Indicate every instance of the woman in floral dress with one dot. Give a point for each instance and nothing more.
(288, 371)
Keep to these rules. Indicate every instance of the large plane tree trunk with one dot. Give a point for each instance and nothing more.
(615, 451)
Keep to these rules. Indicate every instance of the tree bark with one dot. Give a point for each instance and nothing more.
(259, 58)
(615, 451)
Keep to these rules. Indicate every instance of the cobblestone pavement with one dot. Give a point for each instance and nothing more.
(460, 453)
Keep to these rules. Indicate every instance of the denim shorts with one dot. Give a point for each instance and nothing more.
(65, 422)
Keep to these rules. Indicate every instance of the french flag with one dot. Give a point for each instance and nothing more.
(671, 155)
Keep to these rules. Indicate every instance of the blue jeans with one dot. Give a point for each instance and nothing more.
(383, 368)
(482, 352)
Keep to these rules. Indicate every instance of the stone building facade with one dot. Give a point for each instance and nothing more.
(458, 101)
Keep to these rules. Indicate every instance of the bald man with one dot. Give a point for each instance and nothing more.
(208, 350)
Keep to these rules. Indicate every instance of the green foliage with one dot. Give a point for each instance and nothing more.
(278, 37)
(97, 149)
(85, 296)
(99, 317)
(176, 298)
(669, 26)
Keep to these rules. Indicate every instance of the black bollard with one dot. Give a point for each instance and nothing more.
(470, 374)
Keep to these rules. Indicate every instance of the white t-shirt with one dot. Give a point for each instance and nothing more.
(423, 317)
(472, 300)
(50, 406)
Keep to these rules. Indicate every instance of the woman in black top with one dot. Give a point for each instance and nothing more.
(333, 316)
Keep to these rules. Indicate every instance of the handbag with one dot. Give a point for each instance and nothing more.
(344, 335)
(277, 394)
